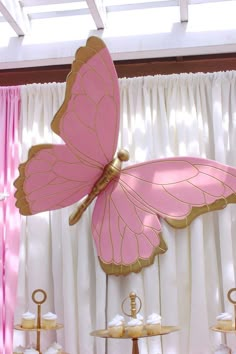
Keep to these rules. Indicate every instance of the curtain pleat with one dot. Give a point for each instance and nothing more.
(161, 116)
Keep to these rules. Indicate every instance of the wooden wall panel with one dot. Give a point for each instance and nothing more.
(132, 68)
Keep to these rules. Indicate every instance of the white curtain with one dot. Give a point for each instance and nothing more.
(187, 114)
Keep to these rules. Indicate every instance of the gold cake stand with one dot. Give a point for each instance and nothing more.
(103, 333)
(233, 329)
(38, 327)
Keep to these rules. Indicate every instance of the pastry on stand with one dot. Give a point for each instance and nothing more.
(28, 319)
(135, 328)
(225, 323)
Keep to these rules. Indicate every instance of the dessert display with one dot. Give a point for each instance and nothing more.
(153, 324)
(28, 320)
(39, 324)
(49, 320)
(116, 326)
(224, 321)
(135, 328)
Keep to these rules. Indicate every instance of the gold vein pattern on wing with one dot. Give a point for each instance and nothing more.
(115, 269)
(118, 269)
(93, 46)
(20, 194)
(195, 210)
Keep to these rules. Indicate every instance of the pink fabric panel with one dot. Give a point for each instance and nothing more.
(9, 215)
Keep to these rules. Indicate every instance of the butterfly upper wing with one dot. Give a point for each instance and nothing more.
(92, 132)
(55, 176)
(126, 228)
(127, 233)
(181, 188)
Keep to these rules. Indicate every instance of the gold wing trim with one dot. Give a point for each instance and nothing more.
(82, 55)
(115, 269)
(196, 211)
(21, 201)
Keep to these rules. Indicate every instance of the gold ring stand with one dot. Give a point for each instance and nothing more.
(103, 333)
(233, 330)
(38, 301)
(234, 303)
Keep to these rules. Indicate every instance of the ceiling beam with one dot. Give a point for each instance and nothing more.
(98, 12)
(19, 55)
(183, 4)
(159, 34)
(15, 16)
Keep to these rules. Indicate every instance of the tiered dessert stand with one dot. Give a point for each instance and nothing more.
(233, 330)
(38, 327)
(103, 333)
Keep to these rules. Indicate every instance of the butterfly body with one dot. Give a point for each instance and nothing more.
(129, 201)
(110, 171)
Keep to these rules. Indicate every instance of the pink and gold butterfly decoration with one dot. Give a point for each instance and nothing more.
(125, 221)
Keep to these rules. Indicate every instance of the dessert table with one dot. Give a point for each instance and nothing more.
(38, 329)
(103, 333)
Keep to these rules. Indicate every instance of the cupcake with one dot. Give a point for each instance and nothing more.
(135, 328)
(116, 326)
(139, 317)
(28, 320)
(222, 349)
(19, 350)
(49, 320)
(224, 321)
(153, 324)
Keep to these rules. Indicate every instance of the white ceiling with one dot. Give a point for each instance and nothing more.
(48, 32)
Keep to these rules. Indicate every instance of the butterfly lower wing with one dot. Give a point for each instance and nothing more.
(88, 120)
(127, 234)
(52, 178)
(179, 189)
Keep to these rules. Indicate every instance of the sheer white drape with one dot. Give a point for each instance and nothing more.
(187, 114)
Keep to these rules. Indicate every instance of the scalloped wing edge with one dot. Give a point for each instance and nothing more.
(82, 55)
(197, 211)
(136, 267)
(21, 201)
